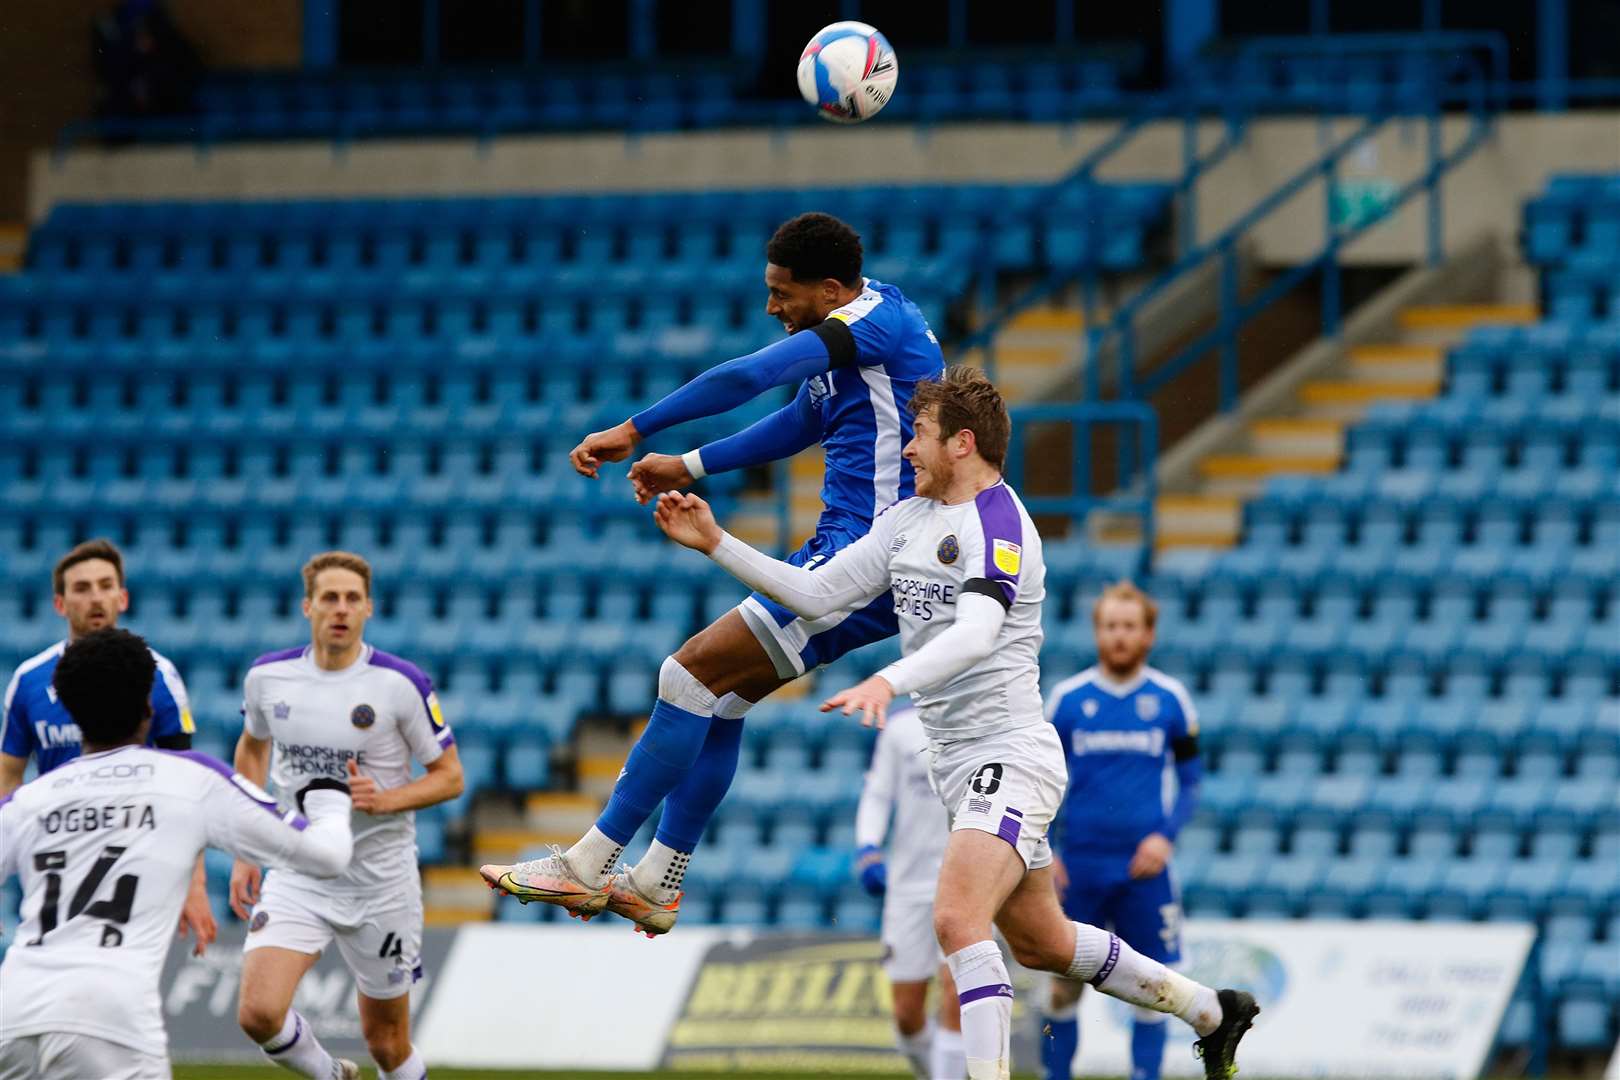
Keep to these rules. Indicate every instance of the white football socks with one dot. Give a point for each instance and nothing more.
(660, 871)
(985, 992)
(412, 1068)
(950, 1060)
(915, 1049)
(594, 856)
(296, 1049)
(1118, 970)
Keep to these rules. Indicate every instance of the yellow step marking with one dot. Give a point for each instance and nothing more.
(1164, 540)
(1048, 319)
(1447, 316)
(1198, 503)
(1340, 393)
(453, 916)
(542, 801)
(1230, 466)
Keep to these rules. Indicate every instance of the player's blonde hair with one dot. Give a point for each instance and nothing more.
(339, 560)
(1127, 591)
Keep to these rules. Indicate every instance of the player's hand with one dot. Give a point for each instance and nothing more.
(245, 880)
(1152, 856)
(655, 474)
(197, 917)
(364, 793)
(687, 520)
(1060, 876)
(614, 444)
(870, 869)
(871, 699)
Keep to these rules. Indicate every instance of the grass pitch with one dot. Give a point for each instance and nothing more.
(270, 1072)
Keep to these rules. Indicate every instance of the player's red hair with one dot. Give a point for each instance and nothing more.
(1127, 591)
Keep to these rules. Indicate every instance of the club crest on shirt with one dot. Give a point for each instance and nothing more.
(363, 716)
(281, 710)
(259, 920)
(1147, 707)
(1007, 556)
(1089, 707)
(949, 550)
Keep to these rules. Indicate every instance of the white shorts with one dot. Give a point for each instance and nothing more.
(1008, 784)
(910, 950)
(379, 937)
(67, 1055)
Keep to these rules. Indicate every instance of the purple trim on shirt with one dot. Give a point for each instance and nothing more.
(999, 520)
(1107, 968)
(279, 655)
(208, 761)
(447, 738)
(423, 684)
(1009, 829)
(1015, 813)
(978, 993)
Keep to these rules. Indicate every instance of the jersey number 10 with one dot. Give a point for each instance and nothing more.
(115, 909)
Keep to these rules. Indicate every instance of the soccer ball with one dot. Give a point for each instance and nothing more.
(848, 72)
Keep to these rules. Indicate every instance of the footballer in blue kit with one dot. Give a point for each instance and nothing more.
(1125, 727)
(89, 592)
(856, 349)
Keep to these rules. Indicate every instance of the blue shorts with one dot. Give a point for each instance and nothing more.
(1145, 913)
(799, 645)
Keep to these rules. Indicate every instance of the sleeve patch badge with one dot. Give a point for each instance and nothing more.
(434, 712)
(1007, 556)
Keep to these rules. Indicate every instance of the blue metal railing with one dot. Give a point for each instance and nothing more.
(1483, 95)
(1135, 489)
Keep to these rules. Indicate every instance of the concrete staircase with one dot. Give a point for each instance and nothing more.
(1306, 434)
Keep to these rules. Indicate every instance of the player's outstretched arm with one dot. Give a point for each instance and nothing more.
(252, 760)
(717, 390)
(859, 572)
(782, 434)
(12, 769)
(244, 821)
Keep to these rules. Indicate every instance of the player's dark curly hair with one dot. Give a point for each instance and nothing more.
(815, 247)
(104, 680)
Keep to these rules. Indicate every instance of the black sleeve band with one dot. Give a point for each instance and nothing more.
(181, 741)
(1185, 748)
(321, 783)
(840, 342)
(986, 587)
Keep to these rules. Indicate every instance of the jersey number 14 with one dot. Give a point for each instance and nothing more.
(115, 909)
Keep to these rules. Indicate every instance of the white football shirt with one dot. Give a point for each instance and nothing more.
(897, 784)
(105, 846)
(927, 554)
(381, 712)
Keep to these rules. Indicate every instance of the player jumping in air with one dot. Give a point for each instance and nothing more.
(1124, 725)
(90, 594)
(341, 709)
(962, 562)
(105, 848)
(897, 785)
(857, 348)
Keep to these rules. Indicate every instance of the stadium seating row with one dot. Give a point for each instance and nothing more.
(1575, 215)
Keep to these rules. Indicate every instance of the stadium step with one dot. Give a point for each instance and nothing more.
(1068, 319)
(1300, 437)
(1387, 363)
(598, 772)
(1244, 474)
(1198, 520)
(565, 814)
(13, 243)
(454, 891)
(1347, 400)
(1447, 324)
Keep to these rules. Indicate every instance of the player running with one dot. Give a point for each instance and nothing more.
(962, 562)
(341, 709)
(1125, 725)
(856, 347)
(104, 848)
(90, 594)
(898, 784)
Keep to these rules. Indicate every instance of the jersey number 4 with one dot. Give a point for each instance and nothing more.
(115, 909)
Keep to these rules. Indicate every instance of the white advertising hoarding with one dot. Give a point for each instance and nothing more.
(1339, 999)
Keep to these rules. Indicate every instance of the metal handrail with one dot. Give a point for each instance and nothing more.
(1120, 334)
